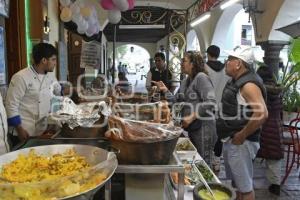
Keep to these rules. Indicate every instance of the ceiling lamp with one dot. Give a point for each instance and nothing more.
(228, 3)
(200, 19)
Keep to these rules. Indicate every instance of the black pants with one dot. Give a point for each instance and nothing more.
(218, 148)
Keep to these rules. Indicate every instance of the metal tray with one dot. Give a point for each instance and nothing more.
(191, 187)
(186, 154)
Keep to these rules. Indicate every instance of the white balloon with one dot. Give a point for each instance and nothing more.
(82, 26)
(75, 8)
(90, 31)
(92, 20)
(114, 16)
(65, 3)
(97, 28)
(121, 4)
(80, 31)
(77, 18)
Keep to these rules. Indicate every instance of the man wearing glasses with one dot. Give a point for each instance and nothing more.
(242, 113)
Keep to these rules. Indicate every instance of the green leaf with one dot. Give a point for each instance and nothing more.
(295, 51)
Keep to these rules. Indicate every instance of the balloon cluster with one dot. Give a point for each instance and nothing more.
(115, 7)
(83, 14)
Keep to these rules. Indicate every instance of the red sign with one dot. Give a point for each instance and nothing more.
(205, 5)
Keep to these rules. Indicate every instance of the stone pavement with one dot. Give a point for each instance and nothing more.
(289, 191)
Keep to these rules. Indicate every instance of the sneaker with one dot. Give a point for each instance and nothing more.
(274, 189)
(216, 164)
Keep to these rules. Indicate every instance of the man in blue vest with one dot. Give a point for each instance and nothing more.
(159, 73)
(239, 124)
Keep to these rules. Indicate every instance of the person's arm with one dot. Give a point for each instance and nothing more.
(148, 81)
(253, 96)
(163, 88)
(14, 96)
(206, 93)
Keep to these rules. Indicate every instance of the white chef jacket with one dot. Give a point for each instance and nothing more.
(28, 100)
(4, 147)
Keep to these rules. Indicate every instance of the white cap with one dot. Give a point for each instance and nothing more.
(242, 52)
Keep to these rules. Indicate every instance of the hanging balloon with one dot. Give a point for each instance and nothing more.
(121, 4)
(114, 16)
(92, 20)
(107, 4)
(131, 4)
(75, 8)
(65, 3)
(82, 26)
(77, 18)
(90, 31)
(97, 26)
(80, 31)
(66, 14)
(86, 11)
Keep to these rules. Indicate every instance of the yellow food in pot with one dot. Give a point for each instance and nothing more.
(218, 194)
(34, 176)
(34, 167)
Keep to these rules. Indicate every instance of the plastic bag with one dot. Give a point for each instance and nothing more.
(140, 131)
(158, 112)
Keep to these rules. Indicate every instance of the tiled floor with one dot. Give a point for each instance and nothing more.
(289, 191)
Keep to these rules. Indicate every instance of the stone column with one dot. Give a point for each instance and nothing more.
(272, 50)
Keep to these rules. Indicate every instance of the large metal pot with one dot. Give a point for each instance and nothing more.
(100, 160)
(151, 153)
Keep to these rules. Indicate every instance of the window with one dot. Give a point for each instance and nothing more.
(246, 35)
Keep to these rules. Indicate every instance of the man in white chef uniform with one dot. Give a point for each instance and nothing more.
(4, 147)
(29, 95)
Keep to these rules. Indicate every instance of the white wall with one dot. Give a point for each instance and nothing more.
(53, 21)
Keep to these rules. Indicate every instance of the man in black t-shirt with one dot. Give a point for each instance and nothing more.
(159, 73)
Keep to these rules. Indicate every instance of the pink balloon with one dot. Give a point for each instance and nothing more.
(107, 4)
(131, 4)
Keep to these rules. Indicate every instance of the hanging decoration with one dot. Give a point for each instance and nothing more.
(115, 7)
(83, 14)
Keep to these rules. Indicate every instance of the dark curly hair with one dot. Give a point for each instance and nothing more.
(198, 62)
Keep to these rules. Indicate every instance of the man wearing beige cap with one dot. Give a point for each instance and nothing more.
(242, 113)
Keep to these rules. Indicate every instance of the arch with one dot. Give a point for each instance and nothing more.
(139, 55)
(224, 27)
(137, 64)
(192, 41)
(228, 30)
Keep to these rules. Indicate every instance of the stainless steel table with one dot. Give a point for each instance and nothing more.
(174, 165)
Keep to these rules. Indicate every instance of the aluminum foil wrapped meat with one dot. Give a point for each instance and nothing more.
(83, 115)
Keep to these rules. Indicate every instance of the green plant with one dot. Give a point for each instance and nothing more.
(290, 78)
(291, 99)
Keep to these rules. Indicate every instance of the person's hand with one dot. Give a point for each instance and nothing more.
(186, 121)
(22, 133)
(161, 86)
(238, 139)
